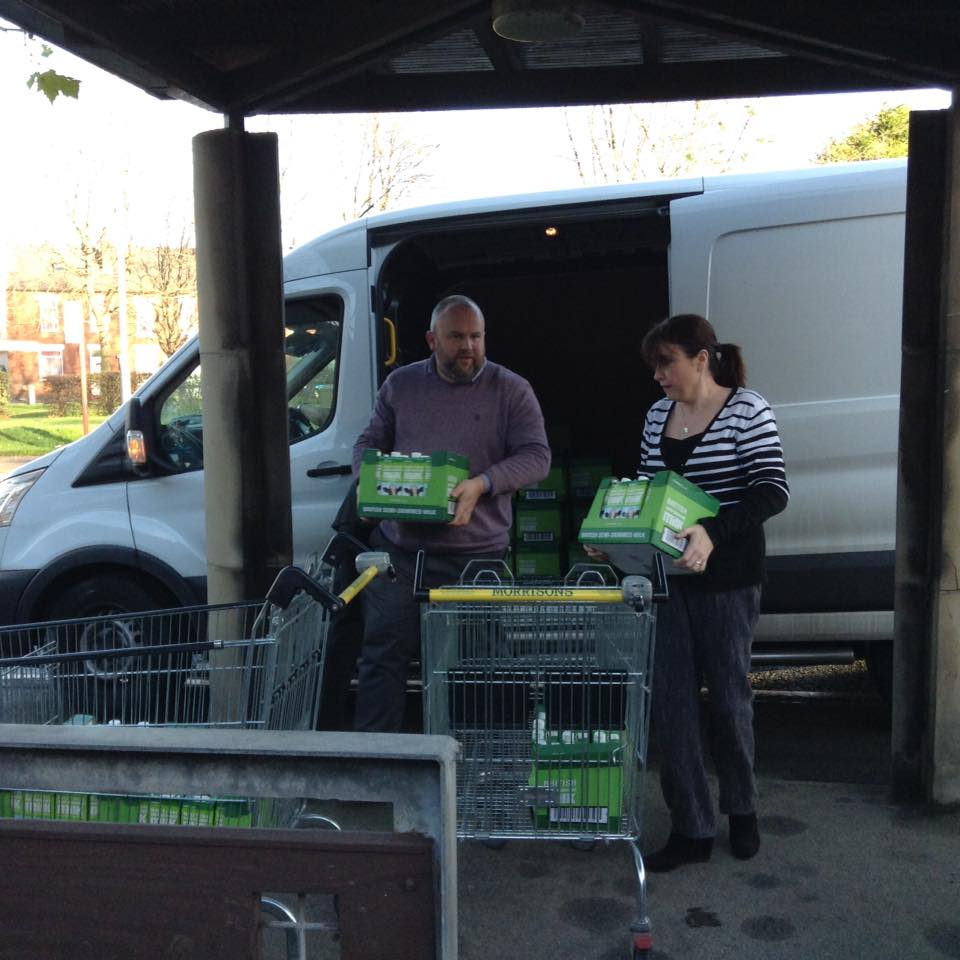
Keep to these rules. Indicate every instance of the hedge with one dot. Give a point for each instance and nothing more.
(103, 392)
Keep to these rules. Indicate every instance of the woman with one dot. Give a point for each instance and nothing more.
(724, 438)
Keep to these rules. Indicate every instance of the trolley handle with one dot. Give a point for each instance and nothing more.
(661, 592)
(342, 547)
(291, 580)
(636, 592)
(419, 594)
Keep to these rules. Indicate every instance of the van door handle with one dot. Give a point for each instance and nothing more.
(330, 470)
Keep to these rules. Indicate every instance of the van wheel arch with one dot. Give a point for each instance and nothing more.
(164, 584)
(91, 592)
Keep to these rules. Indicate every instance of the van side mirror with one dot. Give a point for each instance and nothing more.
(140, 439)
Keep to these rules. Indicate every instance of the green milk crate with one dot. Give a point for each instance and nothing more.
(673, 503)
(576, 780)
(34, 804)
(164, 809)
(233, 813)
(585, 474)
(646, 511)
(540, 562)
(198, 811)
(551, 489)
(114, 808)
(73, 806)
(416, 487)
(536, 524)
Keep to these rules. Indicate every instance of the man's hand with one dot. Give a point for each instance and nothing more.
(467, 493)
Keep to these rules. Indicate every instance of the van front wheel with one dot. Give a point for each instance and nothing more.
(105, 688)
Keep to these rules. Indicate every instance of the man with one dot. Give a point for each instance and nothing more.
(456, 400)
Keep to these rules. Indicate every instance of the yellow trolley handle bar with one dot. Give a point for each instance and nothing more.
(636, 592)
(526, 594)
(352, 591)
(370, 564)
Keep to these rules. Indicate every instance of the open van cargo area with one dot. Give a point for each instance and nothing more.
(568, 312)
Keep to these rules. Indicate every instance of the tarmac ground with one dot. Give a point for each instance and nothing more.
(11, 463)
(842, 872)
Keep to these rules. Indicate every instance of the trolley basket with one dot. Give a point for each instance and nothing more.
(546, 686)
(252, 665)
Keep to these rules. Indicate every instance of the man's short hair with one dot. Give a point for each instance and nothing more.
(454, 300)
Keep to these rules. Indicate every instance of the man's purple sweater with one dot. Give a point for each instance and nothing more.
(494, 420)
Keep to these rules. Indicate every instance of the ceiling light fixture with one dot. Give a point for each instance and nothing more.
(536, 21)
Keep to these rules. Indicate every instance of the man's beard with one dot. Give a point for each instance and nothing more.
(455, 372)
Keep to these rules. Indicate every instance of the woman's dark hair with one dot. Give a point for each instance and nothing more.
(693, 333)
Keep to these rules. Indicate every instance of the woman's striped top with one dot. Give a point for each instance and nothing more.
(739, 460)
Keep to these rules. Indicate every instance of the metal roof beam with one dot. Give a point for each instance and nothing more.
(659, 82)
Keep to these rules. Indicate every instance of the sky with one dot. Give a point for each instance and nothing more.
(126, 156)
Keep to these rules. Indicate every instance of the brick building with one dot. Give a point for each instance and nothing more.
(59, 301)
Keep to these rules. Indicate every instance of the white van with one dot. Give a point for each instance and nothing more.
(802, 269)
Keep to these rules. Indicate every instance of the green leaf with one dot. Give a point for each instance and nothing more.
(52, 84)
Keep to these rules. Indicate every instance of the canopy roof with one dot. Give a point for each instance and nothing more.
(317, 56)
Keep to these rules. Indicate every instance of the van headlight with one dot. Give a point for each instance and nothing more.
(13, 490)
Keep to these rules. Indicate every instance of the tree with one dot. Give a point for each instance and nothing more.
(389, 166)
(622, 143)
(48, 82)
(169, 274)
(337, 169)
(879, 137)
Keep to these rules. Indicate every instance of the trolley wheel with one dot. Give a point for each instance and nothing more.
(584, 845)
(103, 687)
(642, 945)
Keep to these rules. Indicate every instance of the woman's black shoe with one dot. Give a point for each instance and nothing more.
(744, 835)
(678, 851)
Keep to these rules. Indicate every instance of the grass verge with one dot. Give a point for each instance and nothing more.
(30, 431)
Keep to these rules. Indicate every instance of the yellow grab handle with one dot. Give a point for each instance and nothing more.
(350, 592)
(392, 330)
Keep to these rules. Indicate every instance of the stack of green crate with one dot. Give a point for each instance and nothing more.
(576, 778)
(118, 808)
(584, 475)
(540, 529)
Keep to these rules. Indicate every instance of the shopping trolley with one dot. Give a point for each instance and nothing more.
(546, 686)
(251, 665)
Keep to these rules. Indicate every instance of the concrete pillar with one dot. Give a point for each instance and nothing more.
(240, 293)
(920, 452)
(944, 722)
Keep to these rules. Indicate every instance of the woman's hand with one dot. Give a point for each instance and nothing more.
(594, 554)
(699, 548)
